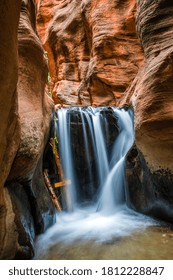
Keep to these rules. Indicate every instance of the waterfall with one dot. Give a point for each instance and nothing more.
(113, 191)
(66, 154)
(110, 172)
(93, 143)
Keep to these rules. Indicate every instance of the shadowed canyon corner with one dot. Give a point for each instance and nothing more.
(86, 129)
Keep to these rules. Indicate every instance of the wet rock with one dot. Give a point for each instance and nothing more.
(23, 221)
(43, 211)
(148, 192)
(85, 162)
(79, 120)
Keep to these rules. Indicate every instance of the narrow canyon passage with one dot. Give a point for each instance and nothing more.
(96, 222)
(106, 153)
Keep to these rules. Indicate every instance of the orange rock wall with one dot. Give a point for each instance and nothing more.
(93, 50)
(9, 128)
(95, 58)
(25, 113)
(152, 92)
(34, 106)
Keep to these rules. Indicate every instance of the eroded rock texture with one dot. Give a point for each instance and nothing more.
(93, 49)
(152, 99)
(151, 94)
(94, 56)
(9, 129)
(25, 207)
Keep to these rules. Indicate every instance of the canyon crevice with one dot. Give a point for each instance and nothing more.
(82, 53)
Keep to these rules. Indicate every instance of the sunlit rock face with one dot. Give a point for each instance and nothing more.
(25, 117)
(93, 50)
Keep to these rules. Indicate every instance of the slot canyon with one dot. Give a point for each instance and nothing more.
(95, 77)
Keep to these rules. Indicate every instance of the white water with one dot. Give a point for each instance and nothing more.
(102, 160)
(108, 218)
(113, 191)
(66, 155)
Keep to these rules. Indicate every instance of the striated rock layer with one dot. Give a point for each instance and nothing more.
(92, 46)
(25, 206)
(152, 99)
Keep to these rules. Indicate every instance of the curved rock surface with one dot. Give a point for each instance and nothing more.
(9, 130)
(93, 50)
(152, 92)
(152, 100)
(95, 58)
(25, 206)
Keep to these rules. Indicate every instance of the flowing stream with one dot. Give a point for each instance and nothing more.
(102, 219)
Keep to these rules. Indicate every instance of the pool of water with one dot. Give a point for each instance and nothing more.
(107, 229)
(152, 243)
(90, 234)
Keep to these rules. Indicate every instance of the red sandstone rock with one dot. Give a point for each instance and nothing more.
(93, 50)
(34, 106)
(94, 55)
(151, 93)
(29, 109)
(9, 128)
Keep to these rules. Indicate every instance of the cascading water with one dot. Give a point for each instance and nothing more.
(106, 216)
(113, 191)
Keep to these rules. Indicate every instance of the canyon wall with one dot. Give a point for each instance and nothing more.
(25, 206)
(92, 47)
(97, 55)
(151, 170)
(10, 128)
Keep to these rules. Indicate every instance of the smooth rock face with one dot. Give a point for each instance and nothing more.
(151, 97)
(151, 92)
(25, 206)
(34, 106)
(9, 128)
(94, 55)
(93, 50)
